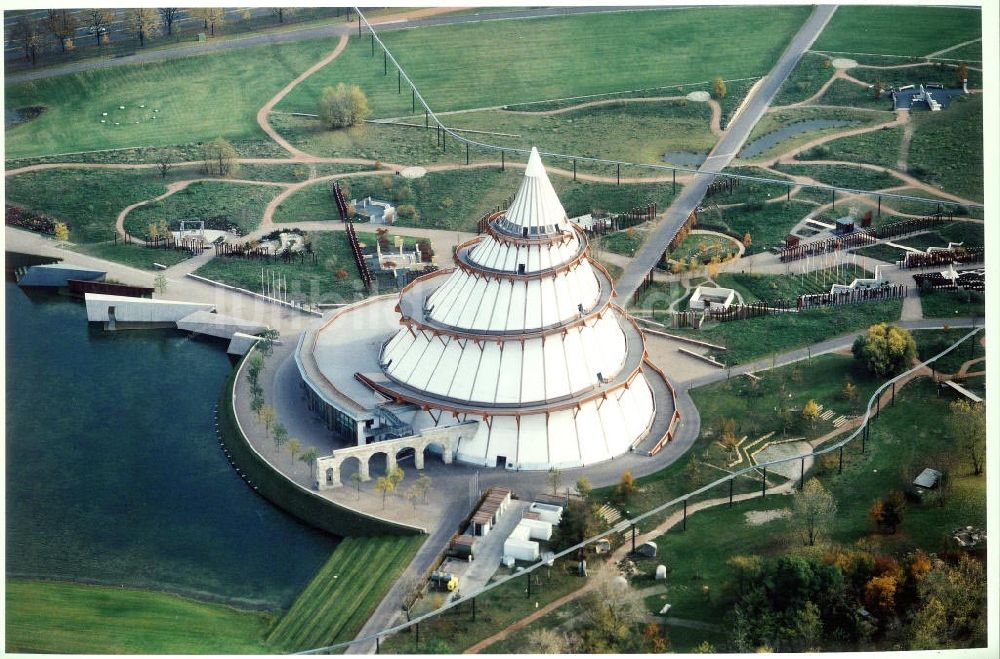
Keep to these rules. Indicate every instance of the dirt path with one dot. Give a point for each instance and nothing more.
(950, 48)
(904, 148)
(262, 114)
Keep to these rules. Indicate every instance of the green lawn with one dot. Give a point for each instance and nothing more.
(134, 255)
(880, 147)
(913, 207)
(455, 66)
(945, 151)
(781, 118)
(308, 281)
(773, 287)
(68, 618)
(704, 247)
(952, 304)
(751, 191)
(198, 98)
(344, 592)
(849, 94)
(767, 226)
(844, 176)
(805, 80)
(747, 340)
(219, 203)
(89, 200)
(881, 252)
(659, 296)
(625, 242)
(913, 31)
(455, 200)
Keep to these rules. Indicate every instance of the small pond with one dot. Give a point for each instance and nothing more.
(768, 140)
(685, 158)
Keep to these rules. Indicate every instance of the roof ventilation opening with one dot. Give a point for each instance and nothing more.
(520, 268)
(580, 308)
(524, 232)
(600, 377)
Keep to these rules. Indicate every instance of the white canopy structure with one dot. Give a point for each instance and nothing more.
(522, 336)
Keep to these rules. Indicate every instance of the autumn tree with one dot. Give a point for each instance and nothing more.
(169, 16)
(386, 486)
(747, 240)
(887, 513)
(747, 570)
(144, 22)
(962, 73)
(968, 429)
(26, 34)
(885, 349)
(220, 158)
(849, 391)
(654, 641)
(810, 412)
(729, 441)
(812, 510)
(423, 486)
(719, 89)
(61, 232)
(583, 487)
(626, 485)
(343, 106)
(294, 446)
(612, 610)
(98, 21)
(880, 595)
(211, 17)
(62, 25)
(951, 606)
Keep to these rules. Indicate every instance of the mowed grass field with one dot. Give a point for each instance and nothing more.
(49, 616)
(496, 63)
(887, 30)
(213, 201)
(345, 591)
(198, 98)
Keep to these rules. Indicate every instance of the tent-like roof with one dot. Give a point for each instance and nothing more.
(536, 209)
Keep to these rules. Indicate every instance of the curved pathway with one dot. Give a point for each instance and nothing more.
(262, 114)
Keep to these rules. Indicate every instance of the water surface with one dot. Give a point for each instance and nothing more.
(768, 140)
(114, 473)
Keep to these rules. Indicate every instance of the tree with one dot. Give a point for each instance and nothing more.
(144, 23)
(719, 89)
(343, 106)
(546, 641)
(160, 283)
(98, 21)
(713, 266)
(280, 434)
(887, 513)
(386, 486)
(281, 12)
(704, 648)
(309, 456)
(626, 485)
(880, 595)
(267, 417)
(747, 240)
(60, 232)
(211, 17)
(220, 158)
(356, 479)
(877, 88)
(257, 405)
(583, 487)
(962, 73)
(968, 429)
(747, 570)
(812, 510)
(254, 368)
(26, 34)
(165, 160)
(654, 641)
(952, 599)
(612, 610)
(554, 478)
(928, 630)
(849, 392)
(423, 485)
(885, 349)
(395, 474)
(266, 341)
(294, 446)
(168, 16)
(810, 412)
(62, 25)
(730, 442)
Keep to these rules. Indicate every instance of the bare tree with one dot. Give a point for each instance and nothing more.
(220, 158)
(165, 160)
(26, 34)
(169, 16)
(281, 12)
(62, 25)
(144, 22)
(98, 20)
(613, 609)
(812, 510)
(212, 17)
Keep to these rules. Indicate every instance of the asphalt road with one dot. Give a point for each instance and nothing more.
(736, 133)
(306, 33)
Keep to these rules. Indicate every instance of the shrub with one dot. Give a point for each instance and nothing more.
(343, 106)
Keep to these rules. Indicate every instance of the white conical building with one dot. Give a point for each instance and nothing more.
(522, 336)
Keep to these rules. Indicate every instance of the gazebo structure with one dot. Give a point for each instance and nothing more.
(522, 337)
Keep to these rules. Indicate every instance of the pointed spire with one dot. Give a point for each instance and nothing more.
(536, 205)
